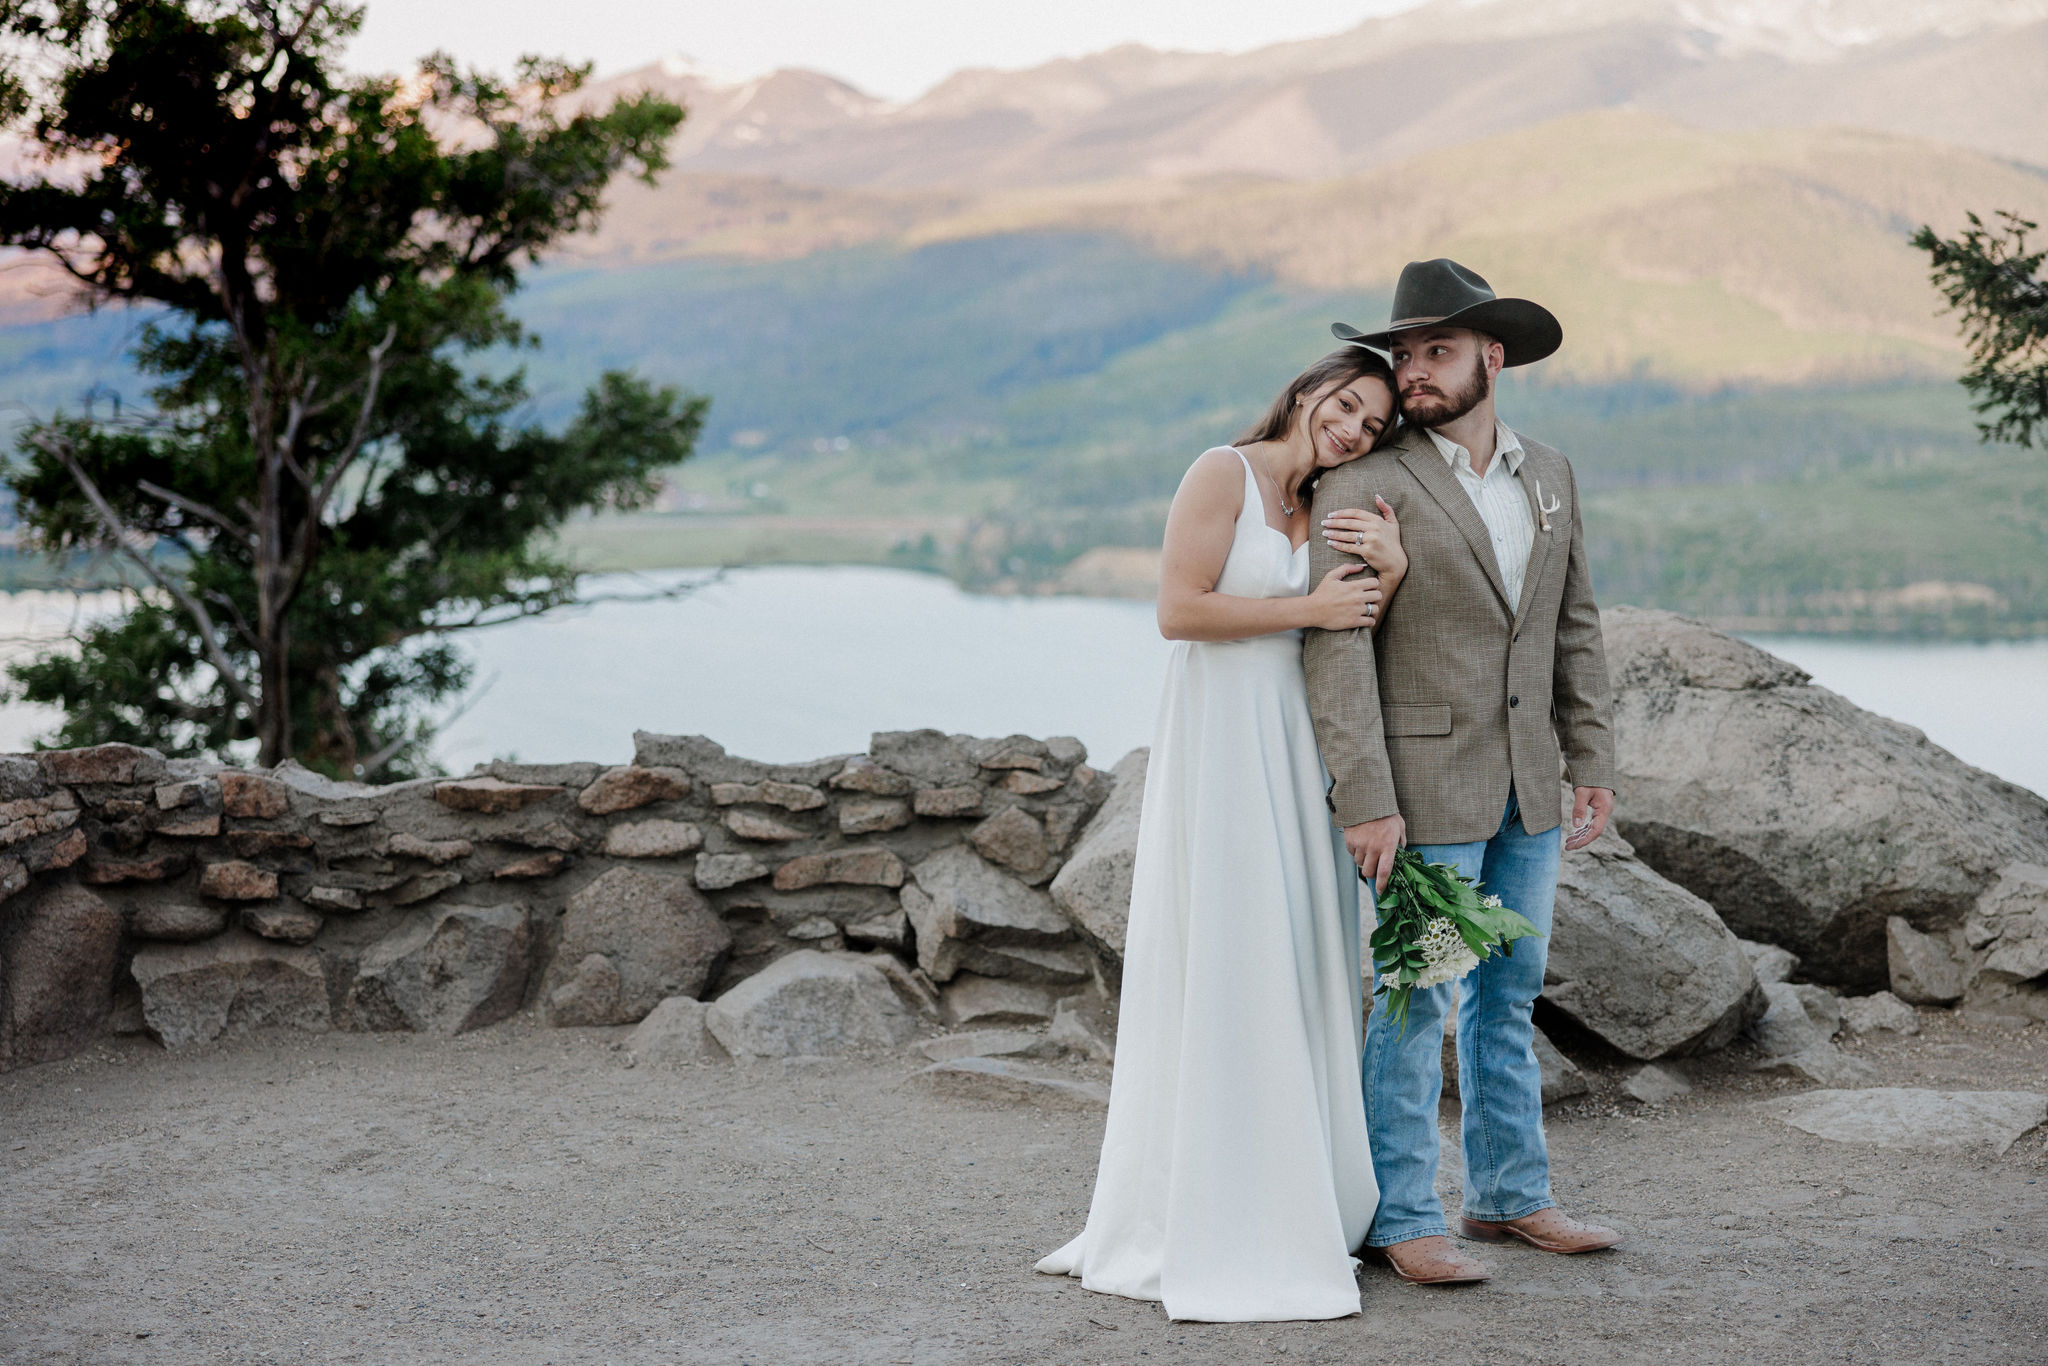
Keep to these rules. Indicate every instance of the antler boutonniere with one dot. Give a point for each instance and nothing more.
(1545, 509)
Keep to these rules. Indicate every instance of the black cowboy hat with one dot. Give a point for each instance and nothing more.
(1442, 293)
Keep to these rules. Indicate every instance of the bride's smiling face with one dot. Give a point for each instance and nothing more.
(1346, 417)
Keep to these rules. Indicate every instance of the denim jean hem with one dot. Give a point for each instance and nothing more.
(1545, 1203)
(1377, 1239)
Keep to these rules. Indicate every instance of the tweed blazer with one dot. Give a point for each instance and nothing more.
(1461, 695)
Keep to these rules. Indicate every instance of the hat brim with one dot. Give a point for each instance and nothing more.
(1527, 331)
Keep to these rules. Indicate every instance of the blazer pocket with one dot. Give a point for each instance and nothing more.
(1431, 718)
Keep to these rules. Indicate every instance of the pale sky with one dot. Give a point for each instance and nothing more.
(892, 48)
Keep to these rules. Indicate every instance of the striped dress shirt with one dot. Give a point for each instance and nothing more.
(1502, 504)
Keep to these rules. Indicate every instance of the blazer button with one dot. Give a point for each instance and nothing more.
(1514, 701)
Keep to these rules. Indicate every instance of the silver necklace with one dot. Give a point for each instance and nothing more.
(1285, 511)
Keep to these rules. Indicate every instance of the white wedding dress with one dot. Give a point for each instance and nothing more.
(1235, 1179)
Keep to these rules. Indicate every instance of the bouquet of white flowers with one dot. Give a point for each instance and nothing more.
(1434, 927)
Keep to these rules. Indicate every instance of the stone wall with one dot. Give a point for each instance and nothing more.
(194, 901)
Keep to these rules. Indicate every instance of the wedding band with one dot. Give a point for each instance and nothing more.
(1358, 538)
(1372, 609)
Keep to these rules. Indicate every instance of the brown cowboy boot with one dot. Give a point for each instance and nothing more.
(1430, 1260)
(1551, 1230)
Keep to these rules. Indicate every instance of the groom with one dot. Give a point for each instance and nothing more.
(1448, 729)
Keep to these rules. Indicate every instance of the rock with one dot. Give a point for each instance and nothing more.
(1822, 1006)
(1654, 1085)
(262, 843)
(873, 817)
(285, 924)
(652, 839)
(890, 931)
(1909, 1117)
(180, 921)
(788, 796)
(1094, 888)
(1013, 838)
(553, 835)
(957, 900)
(656, 931)
(62, 854)
(989, 1043)
(191, 827)
(14, 877)
(456, 969)
(1772, 963)
(2009, 923)
(1803, 819)
(235, 880)
(933, 759)
(491, 796)
(630, 786)
(808, 1004)
(57, 960)
(229, 985)
(813, 929)
(1085, 1025)
(1056, 964)
(333, 899)
(1998, 996)
(1065, 750)
(1016, 757)
(344, 820)
(1823, 1064)
(1868, 1014)
(913, 988)
(539, 865)
(1923, 970)
(191, 792)
(30, 817)
(860, 867)
(251, 796)
(1031, 784)
(102, 764)
(424, 888)
(947, 802)
(972, 999)
(1561, 1077)
(1642, 962)
(674, 1032)
(1785, 1027)
(1008, 1084)
(718, 871)
(437, 852)
(863, 774)
(588, 995)
(753, 825)
(105, 871)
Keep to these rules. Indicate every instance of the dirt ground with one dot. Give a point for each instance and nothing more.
(519, 1195)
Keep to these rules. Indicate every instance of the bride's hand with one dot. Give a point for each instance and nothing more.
(1343, 603)
(1374, 537)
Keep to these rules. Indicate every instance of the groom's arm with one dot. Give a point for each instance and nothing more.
(1582, 698)
(1343, 684)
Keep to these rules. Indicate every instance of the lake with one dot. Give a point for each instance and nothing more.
(788, 663)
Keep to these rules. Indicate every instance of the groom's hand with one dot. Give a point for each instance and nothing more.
(1372, 846)
(1591, 806)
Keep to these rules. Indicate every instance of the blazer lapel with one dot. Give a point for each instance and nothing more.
(1537, 468)
(1433, 472)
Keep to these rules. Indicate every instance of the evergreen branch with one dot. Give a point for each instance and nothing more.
(195, 508)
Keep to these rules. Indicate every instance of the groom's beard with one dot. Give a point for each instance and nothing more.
(1427, 406)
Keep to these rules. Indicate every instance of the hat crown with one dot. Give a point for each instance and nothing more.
(1428, 290)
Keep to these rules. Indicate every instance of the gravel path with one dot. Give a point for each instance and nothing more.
(518, 1195)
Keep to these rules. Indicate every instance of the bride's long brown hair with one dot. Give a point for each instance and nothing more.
(1339, 367)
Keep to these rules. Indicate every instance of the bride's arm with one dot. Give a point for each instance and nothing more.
(1199, 530)
(1375, 538)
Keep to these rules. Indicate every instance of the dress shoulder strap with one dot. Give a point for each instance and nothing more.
(1254, 502)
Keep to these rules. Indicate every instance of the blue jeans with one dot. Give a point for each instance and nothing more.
(1507, 1167)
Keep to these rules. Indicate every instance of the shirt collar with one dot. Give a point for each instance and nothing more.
(1507, 448)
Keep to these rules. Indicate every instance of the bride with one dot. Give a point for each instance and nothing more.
(1235, 1178)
